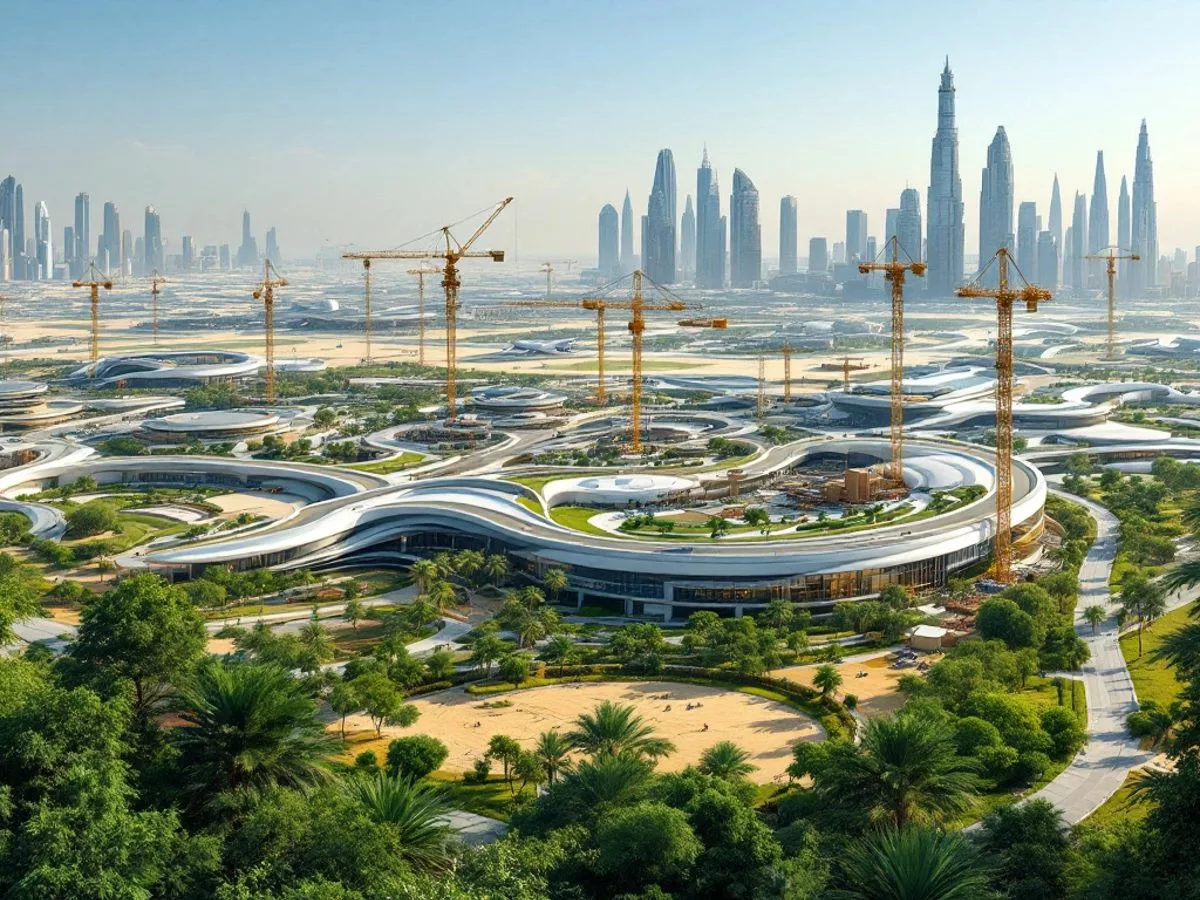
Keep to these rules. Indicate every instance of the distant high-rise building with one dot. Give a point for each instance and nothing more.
(627, 235)
(659, 240)
(610, 258)
(1056, 230)
(710, 228)
(872, 252)
(996, 203)
(44, 238)
(908, 224)
(891, 220)
(1027, 241)
(944, 204)
(1123, 236)
(5, 254)
(111, 238)
(226, 258)
(153, 242)
(21, 254)
(818, 255)
(1079, 244)
(1098, 236)
(856, 236)
(273, 246)
(687, 242)
(787, 236)
(247, 257)
(8, 214)
(839, 253)
(1047, 260)
(127, 257)
(78, 251)
(745, 233)
(1143, 223)
(189, 252)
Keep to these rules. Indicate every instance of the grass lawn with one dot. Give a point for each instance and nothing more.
(530, 505)
(537, 482)
(1118, 807)
(405, 460)
(491, 798)
(1154, 680)
(576, 518)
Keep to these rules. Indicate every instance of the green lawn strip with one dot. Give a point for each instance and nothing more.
(530, 505)
(1154, 680)
(405, 460)
(576, 518)
(1120, 807)
(491, 798)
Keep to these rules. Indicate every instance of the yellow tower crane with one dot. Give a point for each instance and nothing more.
(367, 358)
(1110, 258)
(265, 291)
(787, 375)
(548, 268)
(94, 279)
(421, 272)
(1004, 295)
(155, 281)
(453, 252)
(893, 272)
(598, 305)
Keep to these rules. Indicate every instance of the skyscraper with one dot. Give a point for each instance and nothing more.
(610, 260)
(660, 221)
(8, 217)
(1079, 244)
(1027, 241)
(856, 236)
(21, 255)
(908, 224)
(687, 243)
(189, 252)
(818, 256)
(78, 251)
(43, 233)
(1143, 220)
(127, 257)
(111, 239)
(1123, 236)
(1098, 236)
(710, 228)
(272, 250)
(5, 260)
(247, 256)
(627, 235)
(891, 219)
(787, 235)
(1056, 230)
(745, 233)
(1047, 260)
(944, 204)
(996, 203)
(153, 241)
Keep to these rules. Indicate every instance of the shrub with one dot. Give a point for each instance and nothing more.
(366, 760)
(415, 757)
(92, 518)
(1064, 729)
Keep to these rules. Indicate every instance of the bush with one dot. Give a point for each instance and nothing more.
(96, 517)
(415, 757)
(1064, 729)
(998, 761)
(366, 760)
(973, 734)
(1031, 765)
(480, 771)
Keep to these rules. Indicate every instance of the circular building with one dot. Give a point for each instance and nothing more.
(617, 490)
(23, 404)
(510, 399)
(214, 425)
(168, 369)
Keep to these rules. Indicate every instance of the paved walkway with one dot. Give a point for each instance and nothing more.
(476, 829)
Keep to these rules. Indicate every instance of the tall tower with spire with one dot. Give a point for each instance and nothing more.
(1098, 233)
(710, 228)
(1123, 236)
(996, 202)
(1143, 222)
(627, 264)
(944, 204)
(687, 243)
(1056, 229)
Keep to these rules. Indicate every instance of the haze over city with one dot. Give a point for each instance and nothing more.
(374, 126)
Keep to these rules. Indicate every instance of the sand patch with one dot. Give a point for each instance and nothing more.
(272, 506)
(878, 693)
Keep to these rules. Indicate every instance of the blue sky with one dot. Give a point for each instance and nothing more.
(372, 122)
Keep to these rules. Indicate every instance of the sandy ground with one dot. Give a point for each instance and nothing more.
(764, 728)
(273, 506)
(877, 693)
(220, 646)
(64, 614)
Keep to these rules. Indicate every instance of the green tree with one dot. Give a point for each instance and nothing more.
(553, 751)
(612, 729)
(555, 581)
(913, 862)
(1002, 619)
(1144, 600)
(777, 614)
(416, 756)
(414, 813)
(442, 595)
(344, 700)
(96, 517)
(639, 645)
(527, 769)
(645, 844)
(560, 650)
(425, 571)
(495, 567)
(468, 564)
(515, 668)
(827, 679)
(354, 612)
(143, 630)
(486, 649)
(317, 645)
(1094, 615)
(1032, 848)
(381, 698)
(440, 664)
(18, 595)
(505, 750)
(725, 759)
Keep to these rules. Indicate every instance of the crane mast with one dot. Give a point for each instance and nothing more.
(421, 272)
(1004, 295)
(787, 375)
(265, 291)
(94, 279)
(155, 281)
(1110, 266)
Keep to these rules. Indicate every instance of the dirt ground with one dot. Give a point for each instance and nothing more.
(273, 506)
(764, 728)
(877, 693)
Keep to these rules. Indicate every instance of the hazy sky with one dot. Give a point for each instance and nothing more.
(372, 122)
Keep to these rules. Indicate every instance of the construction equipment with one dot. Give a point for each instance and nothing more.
(265, 291)
(1004, 295)
(1110, 258)
(893, 272)
(155, 281)
(548, 268)
(367, 358)
(703, 323)
(421, 272)
(847, 368)
(598, 305)
(761, 403)
(453, 252)
(94, 279)
(569, 262)
(787, 375)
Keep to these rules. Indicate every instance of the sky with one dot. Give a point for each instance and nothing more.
(370, 123)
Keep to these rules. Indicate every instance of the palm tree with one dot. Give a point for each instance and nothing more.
(1181, 649)
(905, 768)
(414, 812)
(468, 563)
(613, 730)
(725, 759)
(1095, 615)
(827, 679)
(532, 597)
(445, 563)
(248, 727)
(552, 750)
(442, 594)
(913, 863)
(1191, 516)
(555, 581)
(560, 649)
(495, 567)
(1184, 575)
(777, 613)
(610, 779)
(317, 643)
(1143, 600)
(425, 571)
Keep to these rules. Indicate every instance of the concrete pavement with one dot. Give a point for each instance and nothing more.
(475, 829)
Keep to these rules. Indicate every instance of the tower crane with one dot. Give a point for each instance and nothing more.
(787, 375)
(847, 369)
(893, 272)
(1004, 295)
(265, 291)
(548, 268)
(155, 281)
(598, 305)
(1110, 257)
(94, 279)
(453, 252)
(367, 311)
(421, 272)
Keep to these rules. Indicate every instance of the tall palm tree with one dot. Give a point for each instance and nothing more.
(1143, 600)
(317, 643)
(827, 679)
(444, 562)
(532, 597)
(914, 864)
(610, 779)
(248, 727)
(425, 571)
(414, 812)
(1181, 649)
(442, 594)
(495, 567)
(468, 563)
(555, 581)
(560, 650)
(553, 751)
(725, 759)
(1095, 615)
(905, 768)
(613, 729)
